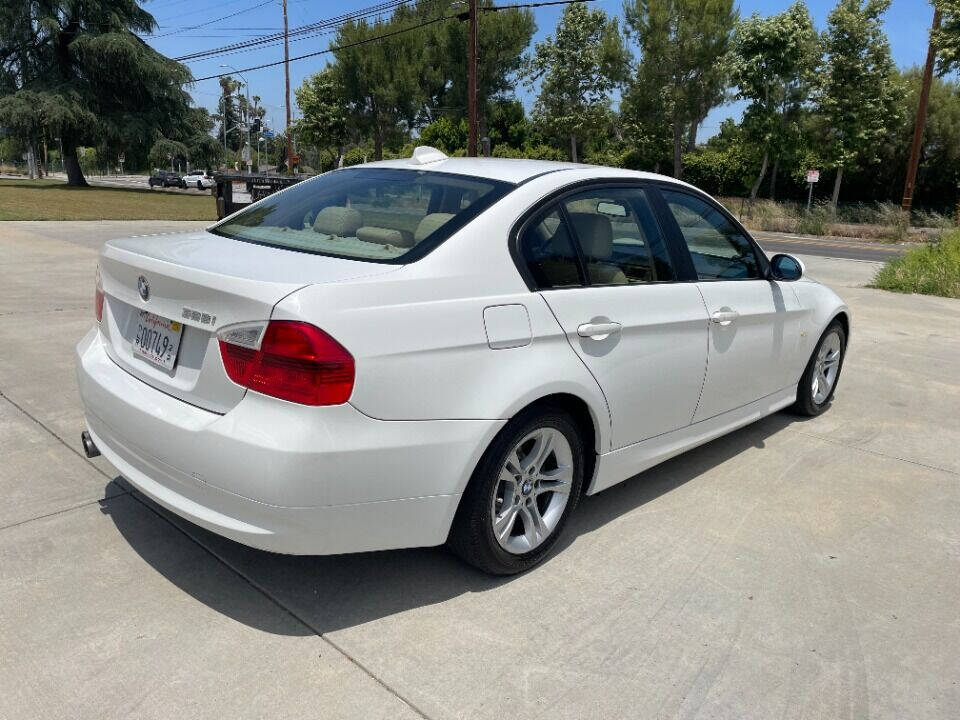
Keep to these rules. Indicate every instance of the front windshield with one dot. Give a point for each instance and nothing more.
(377, 214)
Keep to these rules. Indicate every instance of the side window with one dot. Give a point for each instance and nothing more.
(719, 251)
(619, 236)
(548, 252)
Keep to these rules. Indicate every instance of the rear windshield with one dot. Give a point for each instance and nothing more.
(383, 215)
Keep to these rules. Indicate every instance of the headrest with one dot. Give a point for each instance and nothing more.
(383, 236)
(338, 221)
(430, 223)
(595, 233)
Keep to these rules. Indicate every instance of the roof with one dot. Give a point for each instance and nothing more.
(504, 169)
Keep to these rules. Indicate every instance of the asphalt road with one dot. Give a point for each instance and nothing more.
(797, 568)
(845, 248)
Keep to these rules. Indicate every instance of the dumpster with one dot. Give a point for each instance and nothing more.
(252, 187)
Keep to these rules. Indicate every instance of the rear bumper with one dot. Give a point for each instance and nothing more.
(279, 476)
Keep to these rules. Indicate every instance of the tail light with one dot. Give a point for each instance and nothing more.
(291, 360)
(98, 297)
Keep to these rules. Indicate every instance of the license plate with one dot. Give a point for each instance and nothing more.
(157, 339)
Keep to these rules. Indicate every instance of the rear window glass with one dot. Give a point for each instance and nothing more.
(381, 215)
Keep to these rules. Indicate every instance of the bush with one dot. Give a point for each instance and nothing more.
(816, 220)
(445, 134)
(537, 152)
(932, 269)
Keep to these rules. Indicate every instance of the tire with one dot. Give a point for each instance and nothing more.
(811, 400)
(199, 185)
(538, 497)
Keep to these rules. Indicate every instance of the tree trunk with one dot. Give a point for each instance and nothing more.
(763, 171)
(773, 179)
(573, 148)
(692, 136)
(677, 151)
(31, 163)
(836, 188)
(377, 144)
(71, 164)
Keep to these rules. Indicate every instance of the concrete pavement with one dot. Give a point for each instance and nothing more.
(792, 569)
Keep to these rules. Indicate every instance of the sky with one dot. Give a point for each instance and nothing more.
(188, 26)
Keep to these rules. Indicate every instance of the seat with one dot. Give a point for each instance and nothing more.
(383, 236)
(338, 221)
(429, 225)
(596, 238)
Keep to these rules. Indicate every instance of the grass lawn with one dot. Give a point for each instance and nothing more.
(54, 200)
(929, 270)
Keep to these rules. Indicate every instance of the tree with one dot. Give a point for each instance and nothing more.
(78, 71)
(166, 153)
(445, 134)
(946, 38)
(772, 62)
(324, 121)
(502, 38)
(578, 69)
(857, 97)
(203, 149)
(680, 77)
(508, 124)
(230, 113)
(380, 78)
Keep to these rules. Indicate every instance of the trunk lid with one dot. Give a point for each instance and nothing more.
(204, 282)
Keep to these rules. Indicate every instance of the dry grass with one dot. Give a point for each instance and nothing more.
(54, 200)
(879, 222)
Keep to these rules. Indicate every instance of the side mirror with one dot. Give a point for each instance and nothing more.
(785, 267)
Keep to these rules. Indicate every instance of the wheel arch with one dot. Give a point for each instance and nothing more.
(843, 317)
(584, 417)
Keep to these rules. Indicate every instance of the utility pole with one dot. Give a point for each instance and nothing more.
(921, 120)
(472, 80)
(286, 75)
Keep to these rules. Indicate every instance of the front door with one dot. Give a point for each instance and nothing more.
(754, 322)
(600, 261)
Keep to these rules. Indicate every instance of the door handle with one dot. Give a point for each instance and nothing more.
(598, 331)
(724, 317)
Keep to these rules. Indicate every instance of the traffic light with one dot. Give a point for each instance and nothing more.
(257, 124)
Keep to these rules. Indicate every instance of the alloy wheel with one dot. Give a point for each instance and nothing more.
(532, 490)
(826, 368)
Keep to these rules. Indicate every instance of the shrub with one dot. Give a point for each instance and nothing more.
(932, 269)
(815, 221)
(537, 152)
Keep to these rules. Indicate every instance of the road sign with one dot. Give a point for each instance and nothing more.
(813, 176)
(268, 134)
(121, 158)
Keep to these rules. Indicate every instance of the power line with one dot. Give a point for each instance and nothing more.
(378, 9)
(393, 33)
(365, 41)
(210, 22)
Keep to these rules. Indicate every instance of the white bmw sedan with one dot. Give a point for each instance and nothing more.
(441, 350)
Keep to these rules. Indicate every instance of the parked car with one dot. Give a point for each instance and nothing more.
(165, 178)
(441, 350)
(198, 179)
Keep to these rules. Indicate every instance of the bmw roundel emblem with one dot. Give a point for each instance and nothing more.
(143, 287)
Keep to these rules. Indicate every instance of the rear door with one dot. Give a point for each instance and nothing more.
(754, 322)
(599, 258)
